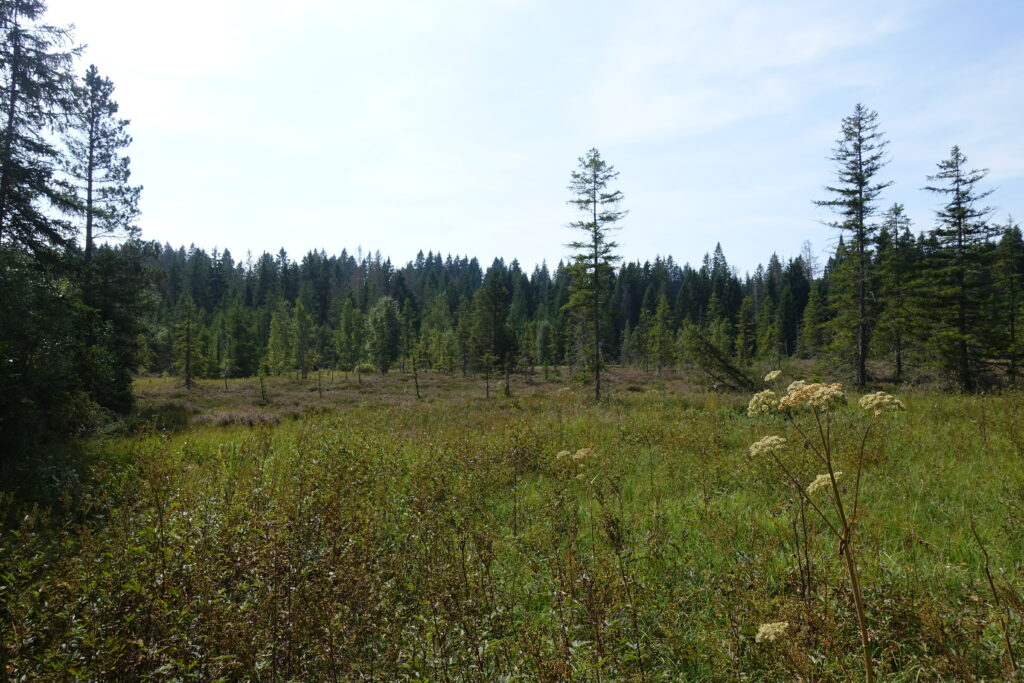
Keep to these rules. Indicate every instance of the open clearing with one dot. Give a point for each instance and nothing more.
(362, 534)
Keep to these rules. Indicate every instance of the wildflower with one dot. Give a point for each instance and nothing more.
(584, 454)
(796, 385)
(762, 402)
(772, 375)
(880, 402)
(817, 395)
(767, 444)
(820, 482)
(771, 631)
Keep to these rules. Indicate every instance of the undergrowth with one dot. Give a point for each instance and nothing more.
(447, 540)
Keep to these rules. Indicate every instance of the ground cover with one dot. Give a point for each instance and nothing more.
(352, 531)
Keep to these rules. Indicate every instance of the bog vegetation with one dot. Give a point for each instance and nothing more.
(335, 468)
(366, 534)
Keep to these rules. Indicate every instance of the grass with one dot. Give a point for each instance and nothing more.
(366, 535)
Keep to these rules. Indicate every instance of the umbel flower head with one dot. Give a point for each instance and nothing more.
(771, 631)
(579, 456)
(762, 403)
(820, 396)
(767, 444)
(772, 375)
(584, 454)
(881, 402)
(821, 481)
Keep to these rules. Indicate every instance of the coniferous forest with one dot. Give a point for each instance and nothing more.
(91, 301)
(583, 504)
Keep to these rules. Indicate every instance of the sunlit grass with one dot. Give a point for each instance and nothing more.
(373, 536)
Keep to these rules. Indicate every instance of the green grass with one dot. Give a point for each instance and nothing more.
(367, 535)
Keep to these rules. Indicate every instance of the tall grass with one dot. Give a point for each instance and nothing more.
(445, 540)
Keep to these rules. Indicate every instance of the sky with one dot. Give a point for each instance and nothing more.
(453, 126)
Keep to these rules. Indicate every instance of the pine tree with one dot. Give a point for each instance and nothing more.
(859, 156)
(961, 272)
(98, 171)
(592, 267)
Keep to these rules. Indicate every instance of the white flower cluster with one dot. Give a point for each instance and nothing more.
(771, 632)
(762, 403)
(817, 395)
(881, 402)
(767, 444)
(820, 482)
(772, 375)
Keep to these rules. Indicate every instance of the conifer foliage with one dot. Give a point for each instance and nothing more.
(859, 156)
(592, 265)
(99, 172)
(72, 320)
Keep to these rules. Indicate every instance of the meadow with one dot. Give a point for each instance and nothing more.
(346, 530)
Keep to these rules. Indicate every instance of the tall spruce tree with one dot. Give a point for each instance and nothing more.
(859, 156)
(593, 263)
(960, 274)
(95, 139)
(35, 82)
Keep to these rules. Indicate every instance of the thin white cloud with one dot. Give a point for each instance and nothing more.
(693, 68)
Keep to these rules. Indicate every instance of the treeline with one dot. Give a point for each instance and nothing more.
(219, 317)
(890, 304)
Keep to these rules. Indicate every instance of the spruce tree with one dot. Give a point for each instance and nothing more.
(745, 331)
(661, 335)
(895, 263)
(189, 342)
(492, 341)
(350, 337)
(279, 340)
(1010, 284)
(859, 156)
(303, 339)
(384, 331)
(960, 276)
(35, 82)
(592, 266)
(813, 323)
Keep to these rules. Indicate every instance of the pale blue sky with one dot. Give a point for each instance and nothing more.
(453, 126)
